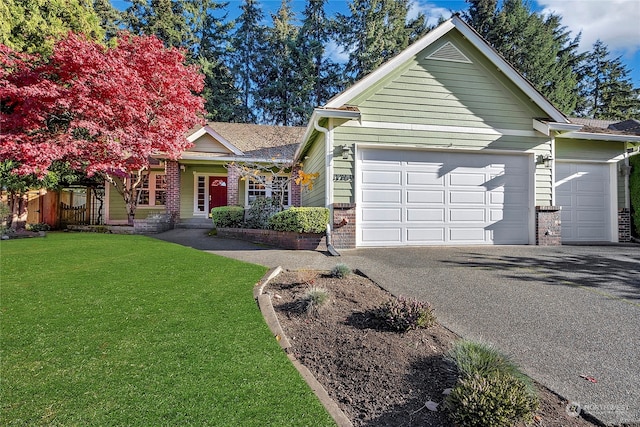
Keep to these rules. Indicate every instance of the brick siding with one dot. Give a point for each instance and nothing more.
(281, 239)
(172, 170)
(548, 226)
(343, 231)
(233, 185)
(624, 225)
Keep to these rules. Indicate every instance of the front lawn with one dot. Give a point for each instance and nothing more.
(128, 330)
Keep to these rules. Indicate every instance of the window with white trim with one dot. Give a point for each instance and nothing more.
(152, 190)
(268, 186)
(201, 194)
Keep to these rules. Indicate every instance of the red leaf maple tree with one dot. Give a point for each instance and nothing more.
(105, 110)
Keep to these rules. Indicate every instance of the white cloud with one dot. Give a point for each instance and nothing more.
(432, 11)
(615, 22)
(335, 52)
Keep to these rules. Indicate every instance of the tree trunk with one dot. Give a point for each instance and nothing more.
(18, 205)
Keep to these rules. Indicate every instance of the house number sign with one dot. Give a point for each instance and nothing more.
(343, 177)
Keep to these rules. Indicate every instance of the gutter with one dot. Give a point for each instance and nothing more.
(328, 181)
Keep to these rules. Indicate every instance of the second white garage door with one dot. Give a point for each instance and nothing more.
(436, 198)
(582, 189)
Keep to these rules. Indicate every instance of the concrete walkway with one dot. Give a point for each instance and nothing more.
(559, 312)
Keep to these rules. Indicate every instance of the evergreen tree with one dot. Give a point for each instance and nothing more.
(324, 75)
(283, 87)
(165, 19)
(110, 17)
(375, 31)
(33, 26)
(247, 51)
(607, 87)
(538, 46)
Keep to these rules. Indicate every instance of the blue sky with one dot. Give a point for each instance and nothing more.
(616, 22)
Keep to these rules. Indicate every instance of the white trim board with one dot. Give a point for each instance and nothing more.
(441, 128)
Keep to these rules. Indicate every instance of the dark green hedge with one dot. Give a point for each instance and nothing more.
(300, 220)
(227, 216)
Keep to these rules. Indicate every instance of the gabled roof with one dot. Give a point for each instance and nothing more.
(454, 23)
(249, 140)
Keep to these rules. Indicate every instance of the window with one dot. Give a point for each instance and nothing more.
(201, 194)
(269, 186)
(152, 190)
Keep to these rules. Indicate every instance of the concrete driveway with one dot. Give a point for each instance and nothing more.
(560, 312)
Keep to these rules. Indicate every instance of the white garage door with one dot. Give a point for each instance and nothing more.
(582, 190)
(435, 198)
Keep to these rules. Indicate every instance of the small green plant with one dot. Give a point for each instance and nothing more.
(494, 400)
(341, 271)
(404, 314)
(227, 216)
(261, 210)
(315, 299)
(491, 390)
(38, 227)
(471, 358)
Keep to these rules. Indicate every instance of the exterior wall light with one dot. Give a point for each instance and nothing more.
(544, 159)
(345, 151)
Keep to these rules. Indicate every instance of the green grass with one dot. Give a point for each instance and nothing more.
(128, 330)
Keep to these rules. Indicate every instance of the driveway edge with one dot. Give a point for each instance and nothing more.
(266, 307)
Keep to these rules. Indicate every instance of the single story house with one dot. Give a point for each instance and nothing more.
(445, 144)
(200, 180)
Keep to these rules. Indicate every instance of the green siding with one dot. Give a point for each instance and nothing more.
(315, 163)
(187, 185)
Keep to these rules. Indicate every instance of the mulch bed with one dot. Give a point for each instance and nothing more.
(377, 377)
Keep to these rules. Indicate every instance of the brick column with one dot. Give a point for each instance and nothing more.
(172, 170)
(233, 180)
(295, 188)
(343, 231)
(624, 225)
(548, 226)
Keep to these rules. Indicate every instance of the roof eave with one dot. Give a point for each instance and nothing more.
(601, 137)
(322, 113)
(546, 127)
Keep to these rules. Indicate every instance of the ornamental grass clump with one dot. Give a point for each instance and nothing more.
(314, 300)
(341, 271)
(404, 314)
(491, 390)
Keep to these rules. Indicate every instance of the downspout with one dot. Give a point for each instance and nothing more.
(328, 153)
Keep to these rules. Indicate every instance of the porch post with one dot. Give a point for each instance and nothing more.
(295, 188)
(172, 170)
(232, 186)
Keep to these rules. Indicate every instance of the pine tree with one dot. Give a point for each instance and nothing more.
(375, 31)
(247, 50)
(281, 82)
(607, 87)
(110, 17)
(163, 18)
(324, 75)
(34, 26)
(538, 46)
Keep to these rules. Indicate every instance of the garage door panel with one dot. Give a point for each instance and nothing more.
(469, 179)
(467, 235)
(590, 217)
(380, 235)
(382, 214)
(467, 215)
(381, 177)
(425, 215)
(424, 178)
(382, 196)
(416, 196)
(466, 197)
(420, 235)
(457, 198)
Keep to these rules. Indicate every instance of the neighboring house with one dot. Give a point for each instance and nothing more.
(447, 144)
(199, 180)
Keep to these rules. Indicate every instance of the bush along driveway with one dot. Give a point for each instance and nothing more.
(128, 330)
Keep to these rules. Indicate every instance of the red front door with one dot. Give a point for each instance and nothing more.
(217, 191)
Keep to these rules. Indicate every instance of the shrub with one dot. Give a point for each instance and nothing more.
(41, 226)
(301, 220)
(474, 358)
(260, 211)
(315, 299)
(494, 400)
(5, 211)
(340, 271)
(227, 216)
(404, 314)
